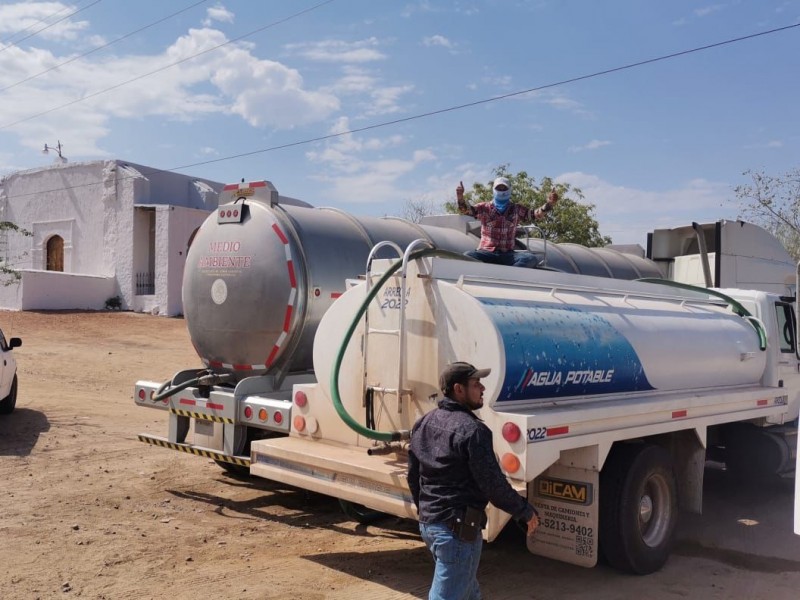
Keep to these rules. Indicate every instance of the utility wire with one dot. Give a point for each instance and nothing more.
(34, 24)
(106, 45)
(164, 68)
(156, 171)
(38, 31)
(488, 100)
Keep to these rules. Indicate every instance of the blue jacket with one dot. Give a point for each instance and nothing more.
(451, 465)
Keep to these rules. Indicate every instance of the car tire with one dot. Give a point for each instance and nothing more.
(8, 403)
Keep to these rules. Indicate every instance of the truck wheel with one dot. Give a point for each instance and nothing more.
(250, 435)
(233, 469)
(755, 453)
(360, 513)
(638, 508)
(8, 403)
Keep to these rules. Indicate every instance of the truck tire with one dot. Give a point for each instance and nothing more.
(756, 454)
(638, 508)
(360, 513)
(251, 434)
(8, 403)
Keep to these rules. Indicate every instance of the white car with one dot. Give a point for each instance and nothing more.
(8, 374)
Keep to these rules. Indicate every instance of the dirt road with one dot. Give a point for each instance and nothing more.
(86, 510)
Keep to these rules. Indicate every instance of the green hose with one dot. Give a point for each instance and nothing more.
(734, 304)
(381, 436)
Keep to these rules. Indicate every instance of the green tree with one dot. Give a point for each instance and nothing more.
(773, 202)
(571, 221)
(8, 274)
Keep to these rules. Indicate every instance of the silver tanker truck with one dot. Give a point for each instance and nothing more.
(605, 394)
(260, 273)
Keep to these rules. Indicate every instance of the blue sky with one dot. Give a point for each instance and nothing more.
(655, 146)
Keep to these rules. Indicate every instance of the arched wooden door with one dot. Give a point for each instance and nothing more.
(55, 253)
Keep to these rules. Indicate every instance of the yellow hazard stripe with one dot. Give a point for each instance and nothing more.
(201, 416)
(242, 462)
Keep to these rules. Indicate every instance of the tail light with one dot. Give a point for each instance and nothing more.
(511, 432)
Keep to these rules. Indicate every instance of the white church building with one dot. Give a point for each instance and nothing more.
(99, 231)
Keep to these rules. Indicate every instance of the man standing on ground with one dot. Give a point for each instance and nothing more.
(453, 474)
(499, 219)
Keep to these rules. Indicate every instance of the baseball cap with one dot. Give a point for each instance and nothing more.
(459, 372)
(501, 181)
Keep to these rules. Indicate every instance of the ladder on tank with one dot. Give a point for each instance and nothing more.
(369, 389)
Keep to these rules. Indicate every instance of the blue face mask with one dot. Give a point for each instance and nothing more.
(501, 199)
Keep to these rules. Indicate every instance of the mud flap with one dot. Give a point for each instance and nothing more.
(566, 498)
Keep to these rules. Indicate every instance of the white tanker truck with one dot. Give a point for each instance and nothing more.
(605, 394)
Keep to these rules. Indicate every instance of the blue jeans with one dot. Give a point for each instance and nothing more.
(455, 575)
(511, 258)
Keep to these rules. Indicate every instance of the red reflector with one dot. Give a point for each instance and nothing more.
(142, 395)
(511, 432)
(248, 412)
(300, 399)
(678, 414)
(762, 402)
(236, 213)
(222, 213)
(557, 430)
(277, 417)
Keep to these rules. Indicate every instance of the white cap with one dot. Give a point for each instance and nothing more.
(501, 181)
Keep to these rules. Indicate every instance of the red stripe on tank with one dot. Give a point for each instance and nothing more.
(280, 233)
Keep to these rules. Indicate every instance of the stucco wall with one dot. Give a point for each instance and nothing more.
(91, 206)
(50, 290)
(182, 222)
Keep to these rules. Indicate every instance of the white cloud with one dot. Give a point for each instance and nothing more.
(438, 40)
(355, 81)
(593, 145)
(338, 51)
(385, 100)
(218, 13)
(627, 214)
(378, 100)
(356, 171)
(24, 18)
(764, 145)
(704, 11)
(262, 92)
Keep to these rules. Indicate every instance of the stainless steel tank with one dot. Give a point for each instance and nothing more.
(260, 274)
(263, 269)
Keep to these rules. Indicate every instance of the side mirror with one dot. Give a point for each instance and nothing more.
(14, 342)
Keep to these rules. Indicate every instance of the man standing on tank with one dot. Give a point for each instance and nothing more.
(499, 219)
(453, 474)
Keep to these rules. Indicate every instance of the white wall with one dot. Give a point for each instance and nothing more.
(181, 224)
(50, 290)
(92, 207)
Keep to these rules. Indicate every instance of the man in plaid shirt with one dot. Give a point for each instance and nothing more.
(499, 219)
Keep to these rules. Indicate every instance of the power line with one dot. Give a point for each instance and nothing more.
(38, 31)
(488, 100)
(34, 24)
(164, 68)
(106, 45)
(156, 171)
